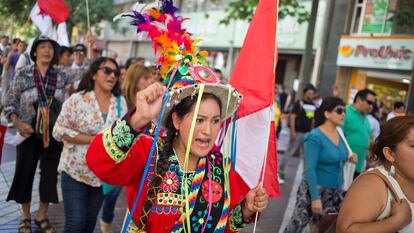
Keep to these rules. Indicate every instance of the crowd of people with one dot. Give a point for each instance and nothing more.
(331, 135)
(58, 99)
(91, 121)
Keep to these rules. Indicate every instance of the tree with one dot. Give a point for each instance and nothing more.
(100, 10)
(244, 10)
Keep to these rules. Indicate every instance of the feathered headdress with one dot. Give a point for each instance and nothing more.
(173, 42)
(182, 65)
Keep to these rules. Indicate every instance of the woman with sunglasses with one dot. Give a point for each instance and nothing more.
(138, 77)
(32, 104)
(325, 155)
(95, 106)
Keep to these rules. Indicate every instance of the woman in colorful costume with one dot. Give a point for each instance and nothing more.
(190, 185)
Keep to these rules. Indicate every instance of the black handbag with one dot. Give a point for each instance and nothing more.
(54, 149)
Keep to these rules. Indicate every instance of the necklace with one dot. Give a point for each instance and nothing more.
(179, 164)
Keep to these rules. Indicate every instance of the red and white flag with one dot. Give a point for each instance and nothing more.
(254, 77)
(3, 129)
(45, 12)
(42, 21)
(56, 9)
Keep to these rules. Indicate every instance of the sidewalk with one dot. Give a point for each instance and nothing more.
(10, 212)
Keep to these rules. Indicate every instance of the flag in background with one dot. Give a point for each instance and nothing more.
(254, 77)
(3, 129)
(42, 21)
(45, 12)
(56, 9)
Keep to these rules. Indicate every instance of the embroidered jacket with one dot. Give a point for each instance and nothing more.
(22, 95)
(81, 114)
(118, 157)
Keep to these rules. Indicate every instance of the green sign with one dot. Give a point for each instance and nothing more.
(375, 17)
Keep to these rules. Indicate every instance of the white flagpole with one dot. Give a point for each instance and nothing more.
(265, 160)
(87, 14)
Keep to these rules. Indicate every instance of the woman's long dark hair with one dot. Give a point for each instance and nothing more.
(183, 108)
(392, 133)
(87, 83)
(328, 105)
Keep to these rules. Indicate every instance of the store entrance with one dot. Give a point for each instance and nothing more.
(388, 91)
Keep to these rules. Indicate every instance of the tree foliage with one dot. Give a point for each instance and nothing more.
(244, 10)
(19, 11)
(404, 17)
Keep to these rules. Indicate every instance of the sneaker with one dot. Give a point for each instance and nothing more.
(106, 227)
(280, 180)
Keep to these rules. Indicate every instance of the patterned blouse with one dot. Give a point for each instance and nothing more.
(118, 156)
(22, 95)
(81, 114)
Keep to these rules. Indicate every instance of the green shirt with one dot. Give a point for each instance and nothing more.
(357, 132)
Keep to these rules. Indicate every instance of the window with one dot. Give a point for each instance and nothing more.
(372, 17)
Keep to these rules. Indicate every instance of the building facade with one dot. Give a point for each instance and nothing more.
(222, 42)
(377, 52)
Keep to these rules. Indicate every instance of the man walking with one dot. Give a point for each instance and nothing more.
(356, 126)
(300, 122)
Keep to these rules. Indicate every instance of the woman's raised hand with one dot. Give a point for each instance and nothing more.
(148, 103)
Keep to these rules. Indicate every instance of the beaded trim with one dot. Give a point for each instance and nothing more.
(236, 219)
(111, 148)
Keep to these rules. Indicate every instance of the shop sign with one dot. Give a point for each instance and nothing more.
(381, 53)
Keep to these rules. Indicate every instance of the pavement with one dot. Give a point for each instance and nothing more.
(271, 220)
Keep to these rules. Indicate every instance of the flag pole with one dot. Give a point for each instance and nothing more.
(87, 14)
(264, 170)
(89, 55)
(275, 58)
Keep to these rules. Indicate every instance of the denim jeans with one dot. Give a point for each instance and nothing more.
(109, 205)
(81, 204)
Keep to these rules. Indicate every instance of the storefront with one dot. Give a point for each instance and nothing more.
(383, 64)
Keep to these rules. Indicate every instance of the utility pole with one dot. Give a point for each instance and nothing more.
(323, 44)
(307, 59)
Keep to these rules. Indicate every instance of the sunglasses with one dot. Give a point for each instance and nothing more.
(340, 111)
(370, 102)
(109, 71)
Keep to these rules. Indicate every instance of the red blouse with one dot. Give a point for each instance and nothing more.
(118, 156)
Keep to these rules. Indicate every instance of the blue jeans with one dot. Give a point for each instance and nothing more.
(109, 205)
(81, 204)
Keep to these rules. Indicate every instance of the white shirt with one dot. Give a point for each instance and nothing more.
(375, 126)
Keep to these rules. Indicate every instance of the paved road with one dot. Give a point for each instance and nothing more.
(271, 220)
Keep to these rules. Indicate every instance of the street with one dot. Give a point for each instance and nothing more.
(272, 220)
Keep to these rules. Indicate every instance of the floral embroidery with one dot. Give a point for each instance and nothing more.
(170, 182)
(216, 158)
(113, 151)
(122, 135)
(217, 191)
(198, 221)
(236, 219)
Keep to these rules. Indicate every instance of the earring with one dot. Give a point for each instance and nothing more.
(176, 133)
(392, 171)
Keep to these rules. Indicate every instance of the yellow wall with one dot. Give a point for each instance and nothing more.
(357, 82)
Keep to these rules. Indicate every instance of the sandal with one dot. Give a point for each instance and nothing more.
(25, 226)
(45, 226)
